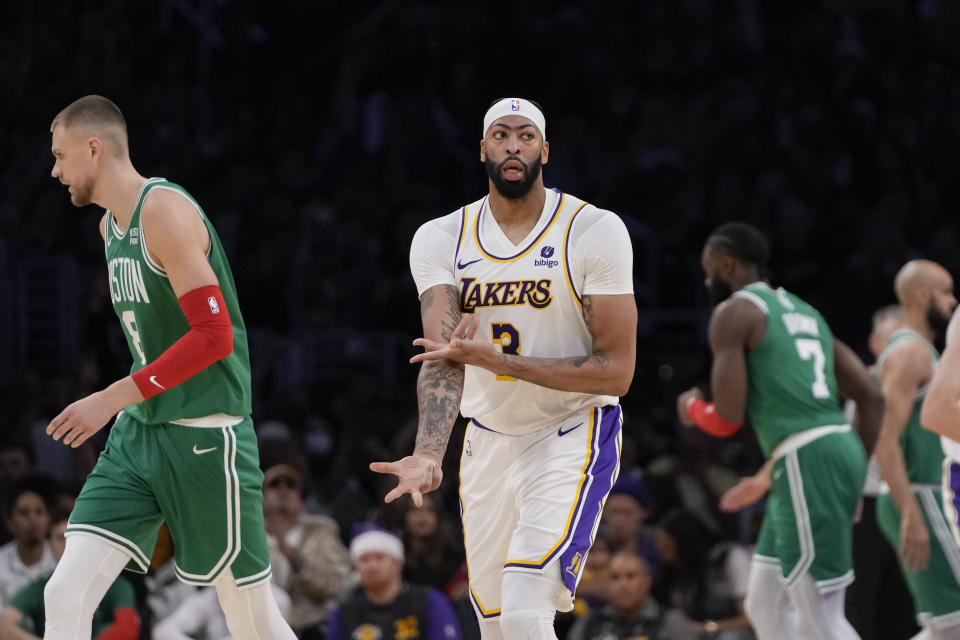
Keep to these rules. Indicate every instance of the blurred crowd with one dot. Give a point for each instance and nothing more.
(319, 136)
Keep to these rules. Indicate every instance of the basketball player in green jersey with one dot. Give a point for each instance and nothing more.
(910, 457)
(182, 449)
(775, 358)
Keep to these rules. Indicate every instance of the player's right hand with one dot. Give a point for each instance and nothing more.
(417, 475)
(914, 542)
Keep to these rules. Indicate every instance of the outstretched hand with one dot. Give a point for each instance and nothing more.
(417, 474)
(80, 420)
(463, 347)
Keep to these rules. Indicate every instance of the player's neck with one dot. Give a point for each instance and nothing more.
(517, 216)
(118, 191)
(385, 593)
(31, 552)
(916, 321)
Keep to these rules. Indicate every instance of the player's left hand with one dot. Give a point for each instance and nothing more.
(683, 400)
(80, 420)
(463, 347)
(744, 493)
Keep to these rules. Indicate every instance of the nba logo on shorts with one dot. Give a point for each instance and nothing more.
(214, 307)
(515, 105)
(574, 566)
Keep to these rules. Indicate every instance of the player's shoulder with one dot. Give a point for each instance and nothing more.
(736, 314)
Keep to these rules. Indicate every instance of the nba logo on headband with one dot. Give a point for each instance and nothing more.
(514, 106)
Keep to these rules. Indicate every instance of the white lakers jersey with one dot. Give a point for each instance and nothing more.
(951, 448)
(527, 297)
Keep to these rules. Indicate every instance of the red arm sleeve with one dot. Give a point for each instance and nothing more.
(126, 626)
(209, 339)
(706, 417)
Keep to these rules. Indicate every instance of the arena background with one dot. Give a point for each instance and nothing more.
(319, 135)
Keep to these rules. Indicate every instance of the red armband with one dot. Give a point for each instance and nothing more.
(209, 339)
(126, 626)
(705, 415)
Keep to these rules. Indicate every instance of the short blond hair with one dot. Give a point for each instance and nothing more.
(99, 115)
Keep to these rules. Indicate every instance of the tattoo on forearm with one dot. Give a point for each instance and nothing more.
(440, 384)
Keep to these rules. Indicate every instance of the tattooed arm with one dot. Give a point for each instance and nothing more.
(608, 369)
(439, 388)
(440, 383)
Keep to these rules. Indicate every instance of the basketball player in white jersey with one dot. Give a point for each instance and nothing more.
(941, 414)
(530, 331)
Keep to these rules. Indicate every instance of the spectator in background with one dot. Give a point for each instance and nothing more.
(116, 617)
(703, 577)
(28, 556)
(624, 521)
(593, 589)
(385, 606)
(433, 554)
(319, 563)
(632, 611)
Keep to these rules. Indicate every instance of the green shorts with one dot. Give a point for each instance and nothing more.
(936, 589)
(808, 525)
(205, 483)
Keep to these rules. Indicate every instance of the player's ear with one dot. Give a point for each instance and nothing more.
(545, 152)
(483, 151)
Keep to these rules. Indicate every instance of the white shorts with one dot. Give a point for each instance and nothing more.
(530, 501)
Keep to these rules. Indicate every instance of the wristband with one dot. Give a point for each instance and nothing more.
(704, 415)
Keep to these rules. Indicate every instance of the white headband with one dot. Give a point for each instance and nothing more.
(515, 107)
(376, 541)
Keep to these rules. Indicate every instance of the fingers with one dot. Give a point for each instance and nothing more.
(472, 327)
(56, 426)
(383, 467)
(464, 326)
(441, 354)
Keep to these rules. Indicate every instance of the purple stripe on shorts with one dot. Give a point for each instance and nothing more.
(603, 475)
(601, 467)
(955, 489)
(474, 421)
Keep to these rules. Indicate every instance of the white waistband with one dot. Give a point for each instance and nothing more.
(802, 438)
(213, 421)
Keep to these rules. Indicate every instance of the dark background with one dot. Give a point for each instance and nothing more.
(319, 135)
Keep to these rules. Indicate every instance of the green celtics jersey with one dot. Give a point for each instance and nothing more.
(792, 386)
(922, 453)
(153, 320)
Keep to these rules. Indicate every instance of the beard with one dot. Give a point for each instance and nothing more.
(514, 189)
(938, 321)
(82, 194)
(718, 291)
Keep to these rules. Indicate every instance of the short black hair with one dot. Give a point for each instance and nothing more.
(42, 484)
(744, 242)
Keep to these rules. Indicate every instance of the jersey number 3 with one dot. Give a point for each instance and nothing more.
(506, 336)
(812, 349)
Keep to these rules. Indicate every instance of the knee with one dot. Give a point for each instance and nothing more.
(524, 624)
(754, 608)
(61, 598)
